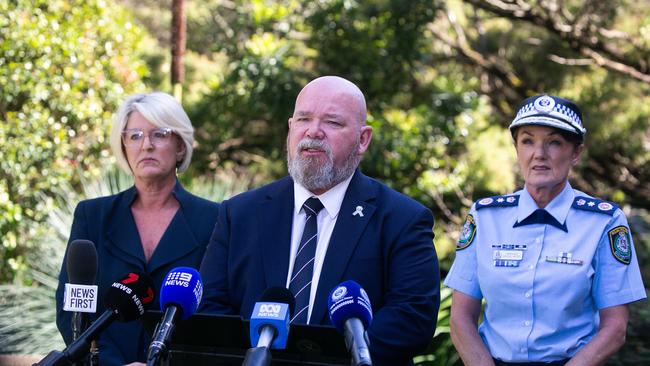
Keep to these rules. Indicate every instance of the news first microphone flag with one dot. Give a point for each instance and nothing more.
(80, 293)
(125, 301)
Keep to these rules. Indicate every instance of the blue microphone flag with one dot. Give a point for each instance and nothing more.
(275, 315)
(183, 288)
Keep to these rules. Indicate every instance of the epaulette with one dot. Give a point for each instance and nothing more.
(594, 205)
(498, 201)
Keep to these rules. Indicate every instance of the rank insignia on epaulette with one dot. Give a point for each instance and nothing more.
(498, 201)
(594, 205)
(621, 244)
(467, 233)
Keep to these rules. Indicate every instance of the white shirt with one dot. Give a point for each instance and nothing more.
(326, 219)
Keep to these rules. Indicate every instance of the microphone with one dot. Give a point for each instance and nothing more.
(180, 296)
(125, 302)
(80, 296)
(351, 313)
(269, 325)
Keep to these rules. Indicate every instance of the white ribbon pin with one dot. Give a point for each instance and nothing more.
(358, 211)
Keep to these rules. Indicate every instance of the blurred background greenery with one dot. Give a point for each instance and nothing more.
(442, 79)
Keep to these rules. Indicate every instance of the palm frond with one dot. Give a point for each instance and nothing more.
(27, 312)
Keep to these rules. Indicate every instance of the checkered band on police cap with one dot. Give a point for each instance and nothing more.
(552, 111)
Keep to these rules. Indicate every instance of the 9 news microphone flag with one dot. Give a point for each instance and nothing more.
(180, 296)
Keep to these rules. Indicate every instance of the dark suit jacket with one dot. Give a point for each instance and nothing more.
(108, 222)
(389, 252)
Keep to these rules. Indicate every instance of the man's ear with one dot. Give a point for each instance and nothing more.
(364, 139)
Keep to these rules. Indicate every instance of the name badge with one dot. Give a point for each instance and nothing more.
(508, 255)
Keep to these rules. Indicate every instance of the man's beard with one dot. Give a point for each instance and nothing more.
(316, 175)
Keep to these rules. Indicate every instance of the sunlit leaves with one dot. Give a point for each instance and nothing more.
(64, 66)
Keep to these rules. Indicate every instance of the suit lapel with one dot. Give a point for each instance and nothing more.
(122, 232)
(345, 237)
(177, 241)
(274, 222)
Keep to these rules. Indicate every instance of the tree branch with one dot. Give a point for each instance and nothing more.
(581, 35)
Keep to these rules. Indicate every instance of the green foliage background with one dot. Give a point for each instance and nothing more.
(442, 79)
(64, 67)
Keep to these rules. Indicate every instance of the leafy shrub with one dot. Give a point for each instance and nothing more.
(64, 66)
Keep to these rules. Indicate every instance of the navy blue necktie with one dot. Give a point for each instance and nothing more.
(541, 216)
(303, 266)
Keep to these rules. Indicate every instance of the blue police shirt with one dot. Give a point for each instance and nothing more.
(544, 275)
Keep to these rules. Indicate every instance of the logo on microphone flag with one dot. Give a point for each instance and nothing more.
(270, 310)
(80, 298)
(178, 278)
(339, 293)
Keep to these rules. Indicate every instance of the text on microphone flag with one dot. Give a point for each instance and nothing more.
(80, 298)
(270, 310)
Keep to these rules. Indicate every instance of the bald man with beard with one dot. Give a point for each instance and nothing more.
(366, 232)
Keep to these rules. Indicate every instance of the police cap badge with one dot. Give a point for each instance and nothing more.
(551, 111)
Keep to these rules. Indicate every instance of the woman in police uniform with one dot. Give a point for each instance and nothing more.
(555, 266)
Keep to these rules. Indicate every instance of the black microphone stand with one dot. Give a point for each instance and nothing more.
(79, 348)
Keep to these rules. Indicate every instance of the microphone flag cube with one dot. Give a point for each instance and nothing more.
(272, 314)
(80, 298)
(183, 288)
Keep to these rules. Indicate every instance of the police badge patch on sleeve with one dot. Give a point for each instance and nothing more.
(467, 233)
(620, 243)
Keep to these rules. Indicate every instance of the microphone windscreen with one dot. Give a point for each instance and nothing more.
(348, 300)
(81, 262)
(128, 296)
(281, 295)
(182, 287)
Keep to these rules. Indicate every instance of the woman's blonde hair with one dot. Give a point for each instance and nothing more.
(161, 110)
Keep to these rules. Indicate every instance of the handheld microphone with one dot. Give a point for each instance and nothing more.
(351, 313)
(125, 301)
(180, 296)
(269, 325)
(80, 295)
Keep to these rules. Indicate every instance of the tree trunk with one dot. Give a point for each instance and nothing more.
(179, 29)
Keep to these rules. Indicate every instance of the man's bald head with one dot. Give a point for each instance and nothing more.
(328, 134)
(328, 85)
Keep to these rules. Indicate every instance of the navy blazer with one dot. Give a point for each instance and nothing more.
(108, 222)
(389, 252)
